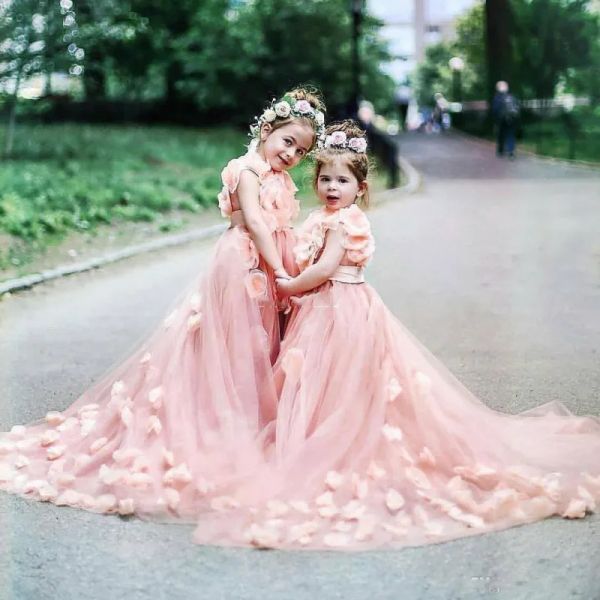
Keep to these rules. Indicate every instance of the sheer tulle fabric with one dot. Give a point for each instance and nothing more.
(377, 445)
(185, 416)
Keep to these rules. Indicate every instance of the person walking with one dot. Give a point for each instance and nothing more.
(505, 110)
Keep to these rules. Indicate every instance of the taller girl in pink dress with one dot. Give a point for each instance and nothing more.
(181, 420)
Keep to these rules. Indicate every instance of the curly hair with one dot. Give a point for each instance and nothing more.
(357, 162)
(313, 96)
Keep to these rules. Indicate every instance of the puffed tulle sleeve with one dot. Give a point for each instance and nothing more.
(230, 177)
(357, 238)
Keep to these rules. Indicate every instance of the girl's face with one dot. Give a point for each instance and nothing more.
(337, 186)
(285, 147)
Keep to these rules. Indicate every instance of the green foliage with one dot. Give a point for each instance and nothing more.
(554, 42)
(69, 177)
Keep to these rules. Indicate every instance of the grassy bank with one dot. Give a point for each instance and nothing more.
(65, 178)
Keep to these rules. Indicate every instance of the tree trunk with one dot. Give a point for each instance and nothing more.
(498, 43)
(12, 115)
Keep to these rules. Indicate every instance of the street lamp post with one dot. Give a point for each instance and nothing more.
(456, 64)
(356, 8)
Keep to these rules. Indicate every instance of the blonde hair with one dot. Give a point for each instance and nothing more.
(357, 162)
(313, 96)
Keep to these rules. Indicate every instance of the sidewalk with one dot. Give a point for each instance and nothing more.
(453, 156)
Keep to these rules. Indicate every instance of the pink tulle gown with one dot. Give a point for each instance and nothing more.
(181, 420)
(379, 446)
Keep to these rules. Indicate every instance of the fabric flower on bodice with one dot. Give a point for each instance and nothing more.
(356, 239)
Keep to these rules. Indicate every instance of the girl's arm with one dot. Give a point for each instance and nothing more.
(319, 272)
(247, 192)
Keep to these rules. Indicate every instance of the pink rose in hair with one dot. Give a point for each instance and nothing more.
(358, 144)
(337, 138)
(303, 107)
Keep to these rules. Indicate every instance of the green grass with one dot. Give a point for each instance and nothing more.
(75, 177)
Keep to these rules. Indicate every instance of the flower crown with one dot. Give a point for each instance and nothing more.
(288, 106)
(339, 139)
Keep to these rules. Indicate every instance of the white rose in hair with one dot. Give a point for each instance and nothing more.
(282, 109)
(337, 138)
(358, 144)
(320, 118)
(269, 115)
(303, 107)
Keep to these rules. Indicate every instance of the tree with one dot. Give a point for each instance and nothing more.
(31, 46)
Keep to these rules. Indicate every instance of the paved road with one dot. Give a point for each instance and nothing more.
(498, 275)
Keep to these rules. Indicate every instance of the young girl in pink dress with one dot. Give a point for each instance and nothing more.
(181, 419)
(377, 444)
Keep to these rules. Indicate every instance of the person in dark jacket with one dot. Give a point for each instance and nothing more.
(505, 110)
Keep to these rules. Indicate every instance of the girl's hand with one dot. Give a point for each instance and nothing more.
(281, 274)
(283, 286)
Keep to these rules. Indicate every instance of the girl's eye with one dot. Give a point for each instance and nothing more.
(288, 142)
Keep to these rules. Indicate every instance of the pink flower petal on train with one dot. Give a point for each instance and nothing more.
(292, 363)
(106, 503)
(353, 510)
(126, 416)
(48, 493)
(256, 284)
(328, 511)
(365, 528)
(68, 498)
(394, 389)
(54, 418)
(124, 456)
(65, 479)
(155, 396)
(426, 457)
(55, 452)
(140, 480)
(172, 497)
(585, 494)
(126, 506)
(417, 477)
(394, 500)
(360, 486)
(179, 475)
(333, 480)
(98, 444)
(396, 530)
(49, 437)
(194, 321)
(146, 358)
(391, 433)
(343, 526)
(300, 506)
(68, 424)
(324, 499)
(422, 382)
(575, 510)
(88, 408)
(154, 425)
(21, 461)
(87, 426)
(375, 471)
(261, 537)
(168, 457)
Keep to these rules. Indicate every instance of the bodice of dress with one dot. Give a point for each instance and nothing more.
(356, 239)
(277, 200)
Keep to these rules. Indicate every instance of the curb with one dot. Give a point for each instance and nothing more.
(29, 281)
